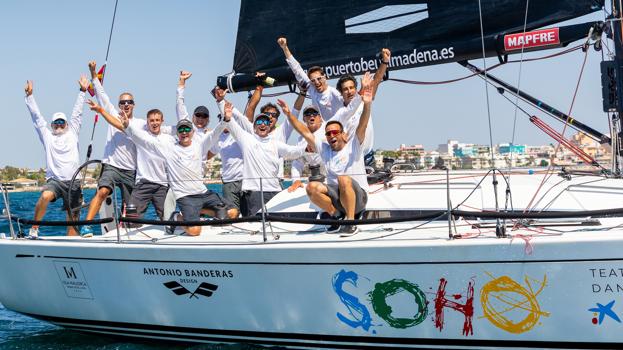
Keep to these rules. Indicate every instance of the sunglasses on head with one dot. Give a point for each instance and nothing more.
(262, 121)
(311, 113)
(332, 133)
(184, 129)
(126, 102)
(59, 122)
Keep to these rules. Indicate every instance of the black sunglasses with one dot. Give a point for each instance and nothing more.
(310, 114)
(126, 102)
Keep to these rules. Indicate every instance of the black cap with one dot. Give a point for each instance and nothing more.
(184, 122)
(202, 110)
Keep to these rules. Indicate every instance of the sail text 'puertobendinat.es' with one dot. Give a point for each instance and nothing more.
(344, 36)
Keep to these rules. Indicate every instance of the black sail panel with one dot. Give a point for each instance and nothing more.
(344, 36)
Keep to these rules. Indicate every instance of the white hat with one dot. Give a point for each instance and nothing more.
(59, 115)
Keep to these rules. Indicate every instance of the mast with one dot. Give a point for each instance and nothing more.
(616, 127)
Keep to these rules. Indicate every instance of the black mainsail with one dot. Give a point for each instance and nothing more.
(344, 36)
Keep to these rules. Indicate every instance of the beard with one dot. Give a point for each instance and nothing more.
(59, 131)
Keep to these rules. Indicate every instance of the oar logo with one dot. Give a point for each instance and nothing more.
(386, 19)
(206, 289)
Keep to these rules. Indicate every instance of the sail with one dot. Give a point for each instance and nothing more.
(344, 36)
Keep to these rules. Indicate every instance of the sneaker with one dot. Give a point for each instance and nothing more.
(33, 233)
(333, 228)
(170, 230)
(348, 230)
(86, 231)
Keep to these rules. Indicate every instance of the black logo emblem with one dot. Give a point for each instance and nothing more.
(206, 289)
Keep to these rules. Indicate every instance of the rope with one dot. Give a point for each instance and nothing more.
(61, 223)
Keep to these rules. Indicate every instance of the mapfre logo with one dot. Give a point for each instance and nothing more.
(386, 19)
(537, 38)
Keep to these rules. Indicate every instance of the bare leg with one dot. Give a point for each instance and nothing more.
(318, 194)
(71, 231)
(97, 201)
(347, 195)
(42, 205)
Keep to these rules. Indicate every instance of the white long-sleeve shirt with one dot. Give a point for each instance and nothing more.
(261, 158)
(119, 151)
(184, 166)
(328, 102)
(231, 158)
(62, 157)
(149, 165)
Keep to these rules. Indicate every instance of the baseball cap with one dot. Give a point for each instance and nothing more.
(184, 122)
(202, 110)
(59, 115)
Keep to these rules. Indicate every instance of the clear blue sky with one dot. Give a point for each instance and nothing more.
(51, 42)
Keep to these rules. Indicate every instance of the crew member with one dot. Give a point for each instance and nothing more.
(61, 154)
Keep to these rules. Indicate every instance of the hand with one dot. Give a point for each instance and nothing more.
(284, 107)
(124, 119)
(83, 82)
(295, 185)
(385, 55)
(366, 95)
(303, 88)
(366, 81)
(283, 42)
(184, 75)
(94, 106)
(219, 94)
(28, 87)
(228, 111)
(93, 69)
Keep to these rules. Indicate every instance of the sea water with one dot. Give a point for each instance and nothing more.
(21, 332)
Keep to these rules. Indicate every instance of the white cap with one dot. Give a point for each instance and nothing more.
(59, 115)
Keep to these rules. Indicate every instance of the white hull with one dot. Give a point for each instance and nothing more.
(381, 288)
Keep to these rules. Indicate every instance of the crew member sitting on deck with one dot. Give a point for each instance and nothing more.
(261, 155)
(61, 155)
(182, 158)
(346, 191)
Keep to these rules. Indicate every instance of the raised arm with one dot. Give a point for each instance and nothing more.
(249, 112)
(295, 66)
(76, 113)
(239, 118)
(297, 124)
(210, 139)
(37, 119)
(180, 106)
(239, 134)
(100, 94)
(367, 96)
(113, 120)
(378, 76)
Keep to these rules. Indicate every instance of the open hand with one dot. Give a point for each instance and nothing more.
(83, 82)
(295, 185)
(124, 119)
(284, 106)
(28, 87)
(94, 106)
(228, 111)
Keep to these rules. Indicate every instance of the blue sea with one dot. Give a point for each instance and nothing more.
(22, 332)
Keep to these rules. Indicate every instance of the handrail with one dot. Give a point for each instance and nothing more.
(61, 223)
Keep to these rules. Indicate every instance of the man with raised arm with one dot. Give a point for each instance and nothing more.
(61, 156)
(313, 121)
(201, 114)
(346, 191)
(182, 158)
(119, 161)
(151, 178)
(261, 155)
(347, 85)
(325, 97)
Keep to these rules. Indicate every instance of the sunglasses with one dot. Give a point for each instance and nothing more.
(271, 114)
(126, 102)
(310, 114)
(317, 80)
(332, 133)
(184, 129)
(202, 116)
(262, 121)
(59, 122)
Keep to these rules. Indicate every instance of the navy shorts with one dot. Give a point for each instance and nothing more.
(191, 206)
(361, 197)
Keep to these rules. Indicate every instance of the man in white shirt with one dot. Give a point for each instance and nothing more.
(313, 121)
(182, 158)
(347, 186)
(151, 177)
(201, 114)
(347, 85)
(231, 166)
(327, 98)
(261, 155)
(61, 154)
(119, 161)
